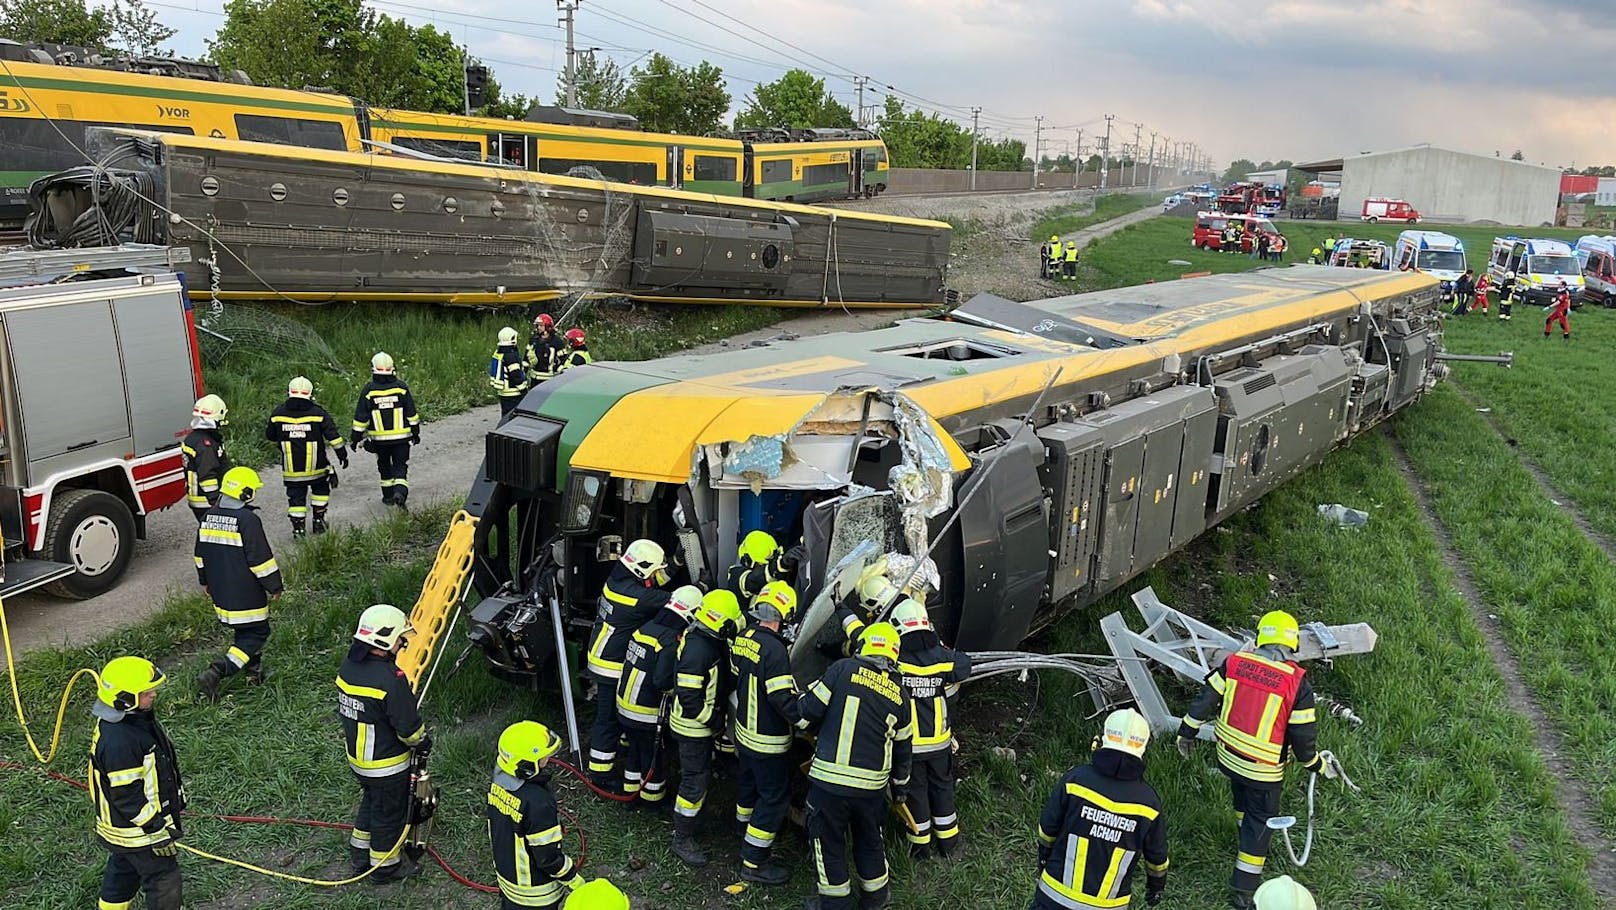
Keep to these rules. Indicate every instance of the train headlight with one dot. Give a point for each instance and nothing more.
(580, 507)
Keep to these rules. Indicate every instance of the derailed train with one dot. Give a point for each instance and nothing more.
(1079, 440)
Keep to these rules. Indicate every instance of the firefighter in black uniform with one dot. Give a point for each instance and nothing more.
(386, 423)
(701, 689)
(861, 713)
(760, 561)
(303, 430)
(382, 727)
(577, 353)
(202, 453)
(932, 674)
(1099, 821)
(875, 593)
(236, 568)
(766, 719)
(545, 350)
(136, 789)
(628, 600)
(524, 830)
(642, 691)
(507, 372)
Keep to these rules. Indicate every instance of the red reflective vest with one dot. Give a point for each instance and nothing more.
(1257, 698)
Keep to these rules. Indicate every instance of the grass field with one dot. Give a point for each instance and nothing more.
(1067, 219)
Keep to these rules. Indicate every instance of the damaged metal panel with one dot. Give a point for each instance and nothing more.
(1004, 537)
(1072, 472)
(671, 247)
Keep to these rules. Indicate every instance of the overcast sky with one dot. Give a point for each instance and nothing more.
(1257, 79)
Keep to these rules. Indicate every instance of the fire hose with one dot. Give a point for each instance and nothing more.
(1283, 823)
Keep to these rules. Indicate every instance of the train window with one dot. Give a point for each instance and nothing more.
(443, 148)
(777, 171)
(314, 134)
(712, 167)
(815, 174)
(956, 349)
(637, 172)
(43, 145)
(872, 157)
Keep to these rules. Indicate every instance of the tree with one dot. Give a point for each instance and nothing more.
(669, 98)
(796, 100)
(506, 107)
(1238, 170)
(601, 86)
(136, 31)
(55, 22)
(1517, 155)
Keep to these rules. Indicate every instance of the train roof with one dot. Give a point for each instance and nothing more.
(1011, 350)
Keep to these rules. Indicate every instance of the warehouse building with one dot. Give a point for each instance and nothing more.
(1445, 185)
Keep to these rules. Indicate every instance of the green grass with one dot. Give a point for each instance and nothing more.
(1066, 219)
(441, 352)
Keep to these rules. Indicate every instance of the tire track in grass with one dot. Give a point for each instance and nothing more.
(1573, 797)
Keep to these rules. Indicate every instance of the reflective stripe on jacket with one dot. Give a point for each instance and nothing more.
(380, 720)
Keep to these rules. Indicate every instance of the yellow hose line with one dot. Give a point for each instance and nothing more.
(322, 883)
(44, 758)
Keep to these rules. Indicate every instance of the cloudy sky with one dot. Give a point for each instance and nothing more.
(1294, 79)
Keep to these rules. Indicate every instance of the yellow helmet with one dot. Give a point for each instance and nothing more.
(758, 547)
(211, 407)
(775, 603)
(1126, 731)
(125, 679)
(1054, 238)
(1278, 628)
(240, 483)
(720, 612)
(382, 625)
(686, 600)
(876, 592)
(382, 363)
(597, 894)
(879, 640)
(644, 558)
(1284, 893)
(300, 387)
(910, 616)
(523, 746)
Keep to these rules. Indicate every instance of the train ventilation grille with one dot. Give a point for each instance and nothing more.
(1257, 385)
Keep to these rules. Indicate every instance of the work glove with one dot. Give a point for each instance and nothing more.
(1186, 746)
(424, 747)
(1155, 888)
(170, 847)
(793, 558)
(1327, 766)
(415, 440)
(899, 795)
(1043, 854)
(331, 476)
(342, 457)
(573, 883)
(366, 444)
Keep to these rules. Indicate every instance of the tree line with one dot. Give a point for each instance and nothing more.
(343, 47)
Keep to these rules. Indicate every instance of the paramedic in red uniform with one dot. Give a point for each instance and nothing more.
(1559, 311)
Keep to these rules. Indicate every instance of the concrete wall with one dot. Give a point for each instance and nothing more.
(1448, 186)
(1606, 192)
(912, 180)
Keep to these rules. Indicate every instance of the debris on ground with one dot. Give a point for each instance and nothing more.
(1343, 516)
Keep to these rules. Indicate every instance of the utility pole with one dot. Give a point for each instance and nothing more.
(1137, 129)
(976, 116)
(1077, 164)
(861, 81)
(1150, 166)
(568, 7)
(1037, 134)
(465, 81)
(1105, 153)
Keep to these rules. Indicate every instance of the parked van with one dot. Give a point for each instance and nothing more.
(1442, 256)
(1378, 208)
(1539, 266)
(1597, 256)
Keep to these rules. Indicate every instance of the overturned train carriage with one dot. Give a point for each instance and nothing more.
(1160, 411)
(279, 222)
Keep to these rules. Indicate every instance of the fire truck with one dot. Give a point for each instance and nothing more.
(1252, 198)
(99, 373)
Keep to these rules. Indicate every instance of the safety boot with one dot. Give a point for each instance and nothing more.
(770, 873)
(948, 847)
(254, 676)
(318, 526)
(404, 868)
(401, 496)
(876, 900)
(358, 858)
(298, 527)
(686, 848)
(208, 682)
(920, 850)
(1243, 900)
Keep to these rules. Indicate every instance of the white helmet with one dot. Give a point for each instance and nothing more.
(876, 592)
(1284, 893)
(507, 335)
(211, 407)
(644, 558)
(1509, 274)
(300, 387)
(1126, 731)
(382, 625)
(910, 616)
(686, 600)
(382, 363)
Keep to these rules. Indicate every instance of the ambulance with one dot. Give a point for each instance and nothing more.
(1442, 256)
(1597, 256)
(1540, 266)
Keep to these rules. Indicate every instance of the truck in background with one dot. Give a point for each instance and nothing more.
(1540, 266)
(1597, 256)
(1379, 208)
(89, 444)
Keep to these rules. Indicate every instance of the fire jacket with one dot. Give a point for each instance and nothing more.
(544, 355)
(380, 720)
(1265, 714)
(134, 777)
(766, 709)
(1097, 823)
(861, 713)
(302, 430)
(506, 372)
(701, 685)
(525, 835)
(386, 411)
(577, 357)
(202, 452)
(931, 673)
(234, 562)
(626, 603)
(648, 670)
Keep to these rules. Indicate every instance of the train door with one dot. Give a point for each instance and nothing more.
(854, 163)
(676, 166)
(749, 168)
(515, 149)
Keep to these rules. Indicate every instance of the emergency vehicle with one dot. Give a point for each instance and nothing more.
(96, 387)
(1539, 266)
(1442, 256)
(1208, 231)
(1365, 254)
(1377, 208)
(1255, 198)
(1597, 256)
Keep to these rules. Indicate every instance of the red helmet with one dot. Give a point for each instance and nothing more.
(575, 337)
(543, 321)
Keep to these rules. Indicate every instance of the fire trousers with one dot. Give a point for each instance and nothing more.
(393, 464)
(246, 650)
(833, 820)
(130, 872)
(642, 771)
(605, 732)
(931, 798)
(384, 810)
(1255, 802)
(695, 772)
(302, 494)
(761, 799)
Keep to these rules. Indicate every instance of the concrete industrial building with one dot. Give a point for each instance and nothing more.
(1445, 185)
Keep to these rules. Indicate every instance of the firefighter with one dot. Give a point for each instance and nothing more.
(524, 831)
(875, 594)
(628, 600)
(642, 690)
(1284, 893)
(384, 733)
(1056, 255)
(701, 688)
(766, 718)
(1264, 710)
(1044, 255)
(1069, 262)
(577, 350)
(136, 789)
(507, 372)
(203, 453)
(303, 430)
(1483, 283)
(759, 561)
(545, 350)
(1316, 257)
(1506, 296)
(932, 674)
(1559, 311)
(861, 713)
(597, 894)
(1099, 821)
(238, 571)
(386, 424)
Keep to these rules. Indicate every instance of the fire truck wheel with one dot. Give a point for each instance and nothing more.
(95, 532)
